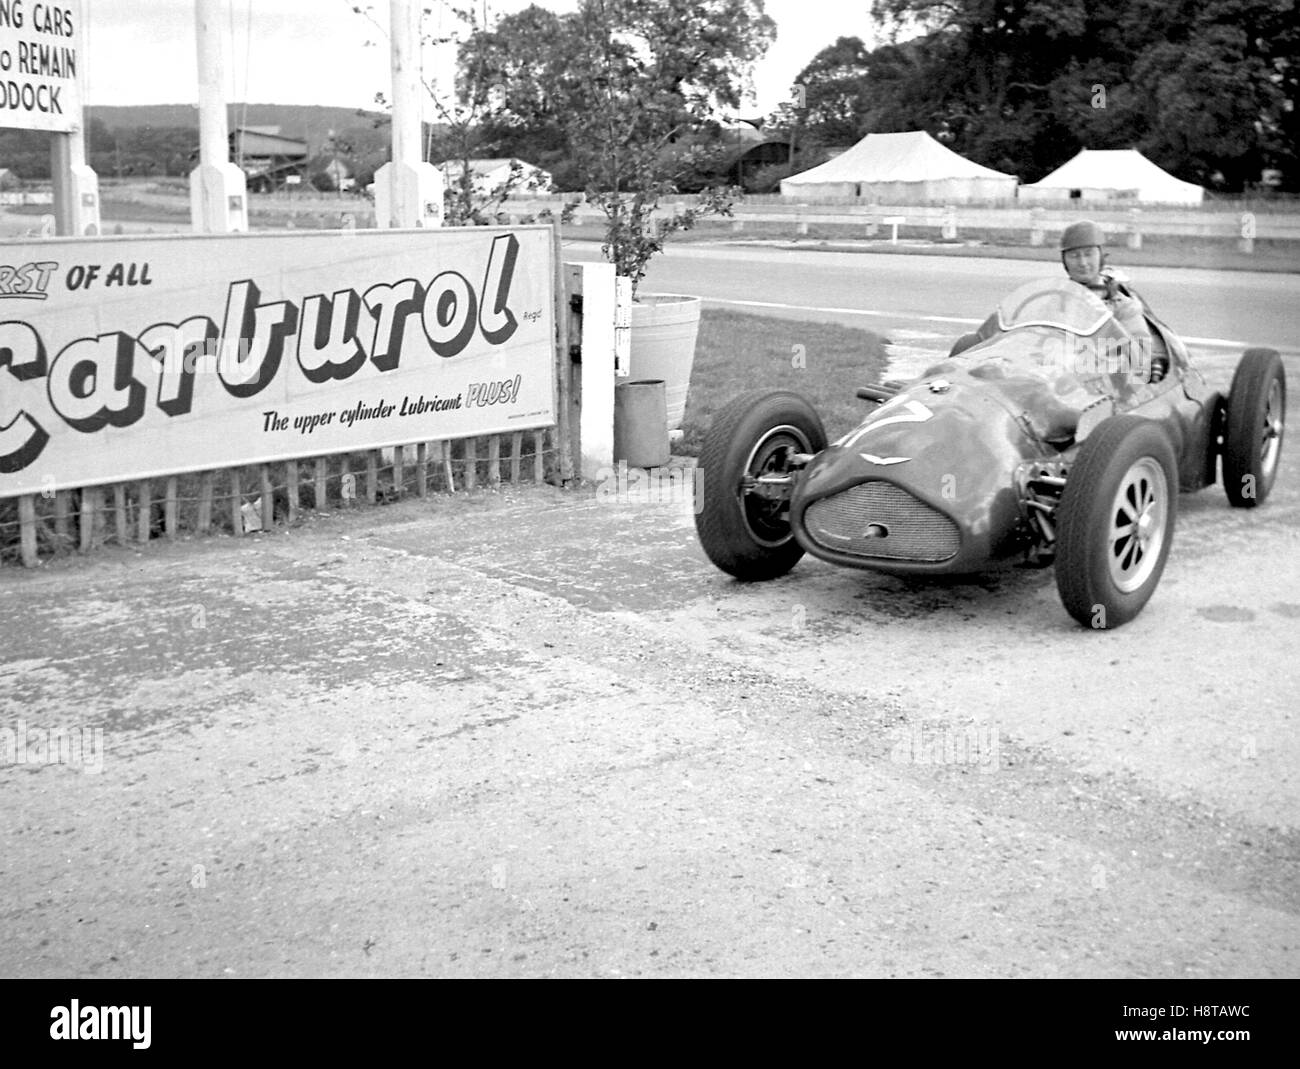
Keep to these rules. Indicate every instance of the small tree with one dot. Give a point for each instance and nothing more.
(626, 83)
(643, 78)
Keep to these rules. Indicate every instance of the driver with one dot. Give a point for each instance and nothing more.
(1081, 253)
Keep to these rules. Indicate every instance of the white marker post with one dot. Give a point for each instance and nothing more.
(408, 191)
(218, 193)
(42, 87)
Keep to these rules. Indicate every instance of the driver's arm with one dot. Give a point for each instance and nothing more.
(1128, 312)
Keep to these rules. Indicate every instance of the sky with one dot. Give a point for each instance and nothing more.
(316, 52)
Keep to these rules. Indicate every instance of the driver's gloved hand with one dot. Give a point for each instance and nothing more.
(1126, 308)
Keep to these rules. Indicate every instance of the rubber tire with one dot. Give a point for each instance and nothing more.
(721, 523)
(1247, 401)
(1084, 518)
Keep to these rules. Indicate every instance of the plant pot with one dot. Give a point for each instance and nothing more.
(664, 329)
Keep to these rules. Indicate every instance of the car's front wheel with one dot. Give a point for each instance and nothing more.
(743, 522)
(1115, 523)
(1252, 440)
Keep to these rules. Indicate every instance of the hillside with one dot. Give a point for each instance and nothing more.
(307, 121)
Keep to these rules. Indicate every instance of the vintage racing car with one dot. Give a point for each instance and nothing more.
(1046, 437)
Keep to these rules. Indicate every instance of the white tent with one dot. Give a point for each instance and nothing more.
(906, 168)
(1112, 174)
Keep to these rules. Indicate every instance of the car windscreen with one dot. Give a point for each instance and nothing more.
(1053, 303)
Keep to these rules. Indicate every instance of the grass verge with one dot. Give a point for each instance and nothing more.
(738, 352)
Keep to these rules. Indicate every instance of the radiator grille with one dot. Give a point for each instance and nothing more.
(913, 530)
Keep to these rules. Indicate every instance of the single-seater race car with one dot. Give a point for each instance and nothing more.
(1048, 436)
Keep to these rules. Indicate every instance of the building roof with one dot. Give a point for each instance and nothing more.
(259, 141)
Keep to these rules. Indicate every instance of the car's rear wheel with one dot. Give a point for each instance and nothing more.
(744, 526)
(1115, 523)
(1252, 442)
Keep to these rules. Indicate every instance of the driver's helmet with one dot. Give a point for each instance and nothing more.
(1082, 234)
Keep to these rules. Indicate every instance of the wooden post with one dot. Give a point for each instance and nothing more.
(27, 530)
(143, 511)
(236, 503)
(563, 365)
(292, 470)
(539, 466)
(89, 514)
(422, 469)
(119, 512)
(471, 463)
(62, 516)
(448, 475)
(169, 508)
(206, 481)
(268, 497)
(494, 460)
(322, 489)
(346, 499)
(399, 479)
(516, 447)
(372, 475)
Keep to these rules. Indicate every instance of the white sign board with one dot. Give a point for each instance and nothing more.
(41, 55)
(129, 358)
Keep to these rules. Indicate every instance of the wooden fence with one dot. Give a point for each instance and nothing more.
(264, 496)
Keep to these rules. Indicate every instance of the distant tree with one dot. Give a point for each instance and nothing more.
(834, 91)
(26, 153)
(1205, 88)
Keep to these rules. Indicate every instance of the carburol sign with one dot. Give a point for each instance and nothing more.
(127, 358)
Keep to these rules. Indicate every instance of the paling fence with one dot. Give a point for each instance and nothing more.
(125, 418)
(260, 497)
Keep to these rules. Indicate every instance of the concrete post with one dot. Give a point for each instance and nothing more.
(594, 282)
(1135, 228)
(408, 191)
(948, 227)
(1246, 242)
(83, 187)
(1037, 232)
(218, 192)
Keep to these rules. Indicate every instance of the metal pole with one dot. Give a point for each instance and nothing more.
(214, 132)
(408, 191)
(407, 86)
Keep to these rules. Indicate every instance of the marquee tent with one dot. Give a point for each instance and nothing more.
(1112, 174)
(905, 168)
